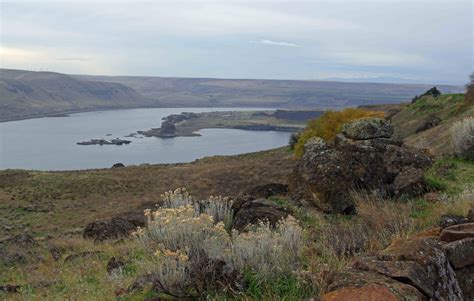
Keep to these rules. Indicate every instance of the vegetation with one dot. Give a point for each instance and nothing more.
(462, 133)
(195, 254)
(330, 124)
(330, 243)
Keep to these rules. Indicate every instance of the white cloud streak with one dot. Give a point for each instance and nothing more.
(274, 43)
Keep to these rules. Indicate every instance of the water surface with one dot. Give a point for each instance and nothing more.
(50, 143)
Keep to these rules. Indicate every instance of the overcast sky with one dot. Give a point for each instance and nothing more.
(428, 41)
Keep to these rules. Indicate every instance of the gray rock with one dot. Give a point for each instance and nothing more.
(368, 128)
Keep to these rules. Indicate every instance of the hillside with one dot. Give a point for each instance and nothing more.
(25, 94)
(200, 92)
(427, 122)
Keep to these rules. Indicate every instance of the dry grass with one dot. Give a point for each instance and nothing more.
(52, 203)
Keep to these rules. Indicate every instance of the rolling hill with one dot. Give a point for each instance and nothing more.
(26, 94)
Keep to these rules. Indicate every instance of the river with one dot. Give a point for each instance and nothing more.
(50, 143)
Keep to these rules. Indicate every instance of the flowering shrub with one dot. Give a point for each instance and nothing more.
(216, 206)
(194, 253)
(462, 133)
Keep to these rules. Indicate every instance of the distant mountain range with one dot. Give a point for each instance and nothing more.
(25, 94)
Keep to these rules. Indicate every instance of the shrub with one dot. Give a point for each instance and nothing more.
(462, 133)
(294, 140)
(330, 124)
(194, 254)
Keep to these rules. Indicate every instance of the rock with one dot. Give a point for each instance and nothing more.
(408, 272)
(409, 182)
(21, 248)
(267, 190)
(457, 232)
(434, 232)
(55, 252)
(428, 253)
(115, 264)
(118, 165)
(248, 210)
(168, 129)
(368, 128)
(357, 285)
(432, 197)
(141, 281)
(328, 173)
(470, 215)
(449, 220)
(105, 230)
(9, 288)
(88, 254)
(466, 281)
(460, 252)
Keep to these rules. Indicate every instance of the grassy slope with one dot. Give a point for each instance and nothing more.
(59, 202)
(437, 139)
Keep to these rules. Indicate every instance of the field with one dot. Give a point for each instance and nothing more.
(57, 203)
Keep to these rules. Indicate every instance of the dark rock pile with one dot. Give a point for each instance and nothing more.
(434, 265)
(363, 158)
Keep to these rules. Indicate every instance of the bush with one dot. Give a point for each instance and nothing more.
(294, 140)
(196, 255)
(330, 124)
(462, 133)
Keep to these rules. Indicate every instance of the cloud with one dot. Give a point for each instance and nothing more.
(274, 43)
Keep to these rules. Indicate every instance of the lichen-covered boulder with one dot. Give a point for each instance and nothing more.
(328, 173)
(368, 128)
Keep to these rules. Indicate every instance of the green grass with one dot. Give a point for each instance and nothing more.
(451, 175)
(445, 105)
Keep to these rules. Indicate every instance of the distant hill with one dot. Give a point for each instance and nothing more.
(25, 94)
(268, 93)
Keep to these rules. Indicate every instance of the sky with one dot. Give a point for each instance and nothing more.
(416, 41)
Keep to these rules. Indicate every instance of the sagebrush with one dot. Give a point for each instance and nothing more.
(195, 254)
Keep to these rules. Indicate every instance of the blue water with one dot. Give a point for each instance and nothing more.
(50, 143)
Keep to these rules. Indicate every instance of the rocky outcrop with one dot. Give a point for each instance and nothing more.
(423, 267)
(106, 230)
(363, 158)
(248, 210)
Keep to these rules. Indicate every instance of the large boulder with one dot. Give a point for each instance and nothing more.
(248, 210)
(428, 252)
(460, 253)
(356, 285)
(369, 128)
(106, 230)
(457, 232)
(409, 272)
(328, 173)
